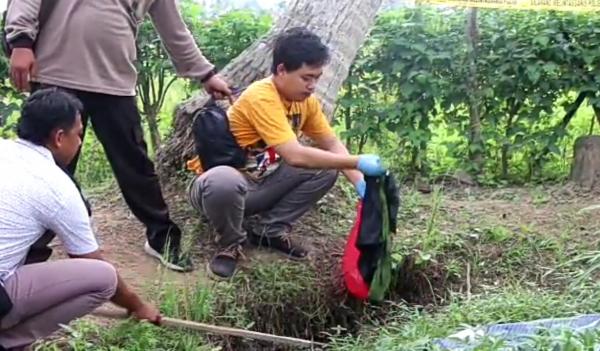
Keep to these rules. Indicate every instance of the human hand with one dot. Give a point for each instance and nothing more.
(370, 165)
(218, 88)
(361, 188)
(147, 312)
(22, 66)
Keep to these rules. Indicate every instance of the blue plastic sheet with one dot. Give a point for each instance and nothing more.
(515, 334)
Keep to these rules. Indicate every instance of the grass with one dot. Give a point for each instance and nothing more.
(126, 336)
(467, 257)
(463, 263)
(520, 273)
(409, 328)
(414, 329)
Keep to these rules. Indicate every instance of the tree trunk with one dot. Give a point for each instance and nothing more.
(513, 108)
(475, 137)
(597, 113)
(557, 132)
(361, 143)
(585, 170)
(347, 113)
(348, 126)
(506, 149)
(342, 24)
(152, 119)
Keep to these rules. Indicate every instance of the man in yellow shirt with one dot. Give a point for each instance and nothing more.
(282, 178)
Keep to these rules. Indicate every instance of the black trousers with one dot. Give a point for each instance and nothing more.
(117, 124)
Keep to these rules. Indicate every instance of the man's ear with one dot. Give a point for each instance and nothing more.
(281, 69)
(56, 137)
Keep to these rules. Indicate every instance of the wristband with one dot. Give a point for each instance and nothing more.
(208, 76)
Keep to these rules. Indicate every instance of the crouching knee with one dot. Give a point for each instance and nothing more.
(105, 278)
(221, 187)
(329, 177)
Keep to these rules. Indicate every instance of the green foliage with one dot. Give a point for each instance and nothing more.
(126, 336)
(409, 94)
(225, 37)
(488, 269)
(9, 102)
(159, 90)
(221, 39)
(93, 169)
(412, 329)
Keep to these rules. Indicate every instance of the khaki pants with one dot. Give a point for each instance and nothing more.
(227, 197)
(45, 295)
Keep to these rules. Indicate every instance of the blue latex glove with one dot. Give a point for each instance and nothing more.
(361, 187)
(370, 165)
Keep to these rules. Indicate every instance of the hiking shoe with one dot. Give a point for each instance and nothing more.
(223, 265)
(172, 259)
(282, 243)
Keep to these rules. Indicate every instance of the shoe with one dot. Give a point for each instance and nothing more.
(223, 265)
(282, 243)
(172, 259)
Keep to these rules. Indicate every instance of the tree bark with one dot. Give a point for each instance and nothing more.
(597, 113)
(585, 170)
(342, 24)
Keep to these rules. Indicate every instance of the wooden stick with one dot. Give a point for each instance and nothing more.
(468, 281)
(213, 329)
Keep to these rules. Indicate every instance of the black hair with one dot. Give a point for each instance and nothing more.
(297, 46)
(46, 110)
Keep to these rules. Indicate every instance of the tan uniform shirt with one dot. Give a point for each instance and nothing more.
(90, 45)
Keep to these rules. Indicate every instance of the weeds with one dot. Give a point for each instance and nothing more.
(432, 236)
(453, 271)
(126, 336)
(417, 330)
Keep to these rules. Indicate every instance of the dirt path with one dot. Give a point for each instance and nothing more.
(497, 226)
(122, 236)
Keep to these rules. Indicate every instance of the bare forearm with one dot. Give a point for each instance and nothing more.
(310, 157)
(187, 58)
(339, 148)
(125, 297)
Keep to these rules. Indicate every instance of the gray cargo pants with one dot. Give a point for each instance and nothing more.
(227, 197)
(46, 295)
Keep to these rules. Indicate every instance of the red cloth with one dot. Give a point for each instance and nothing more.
(354, 280)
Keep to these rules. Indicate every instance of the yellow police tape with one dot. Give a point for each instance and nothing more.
(560, 5)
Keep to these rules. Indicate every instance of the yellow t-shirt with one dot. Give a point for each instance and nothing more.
(261, 119)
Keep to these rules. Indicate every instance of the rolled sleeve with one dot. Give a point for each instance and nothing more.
(72, 225)
(22, 22)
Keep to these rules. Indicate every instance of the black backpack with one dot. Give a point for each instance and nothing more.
(46, 8)
(215, 144)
